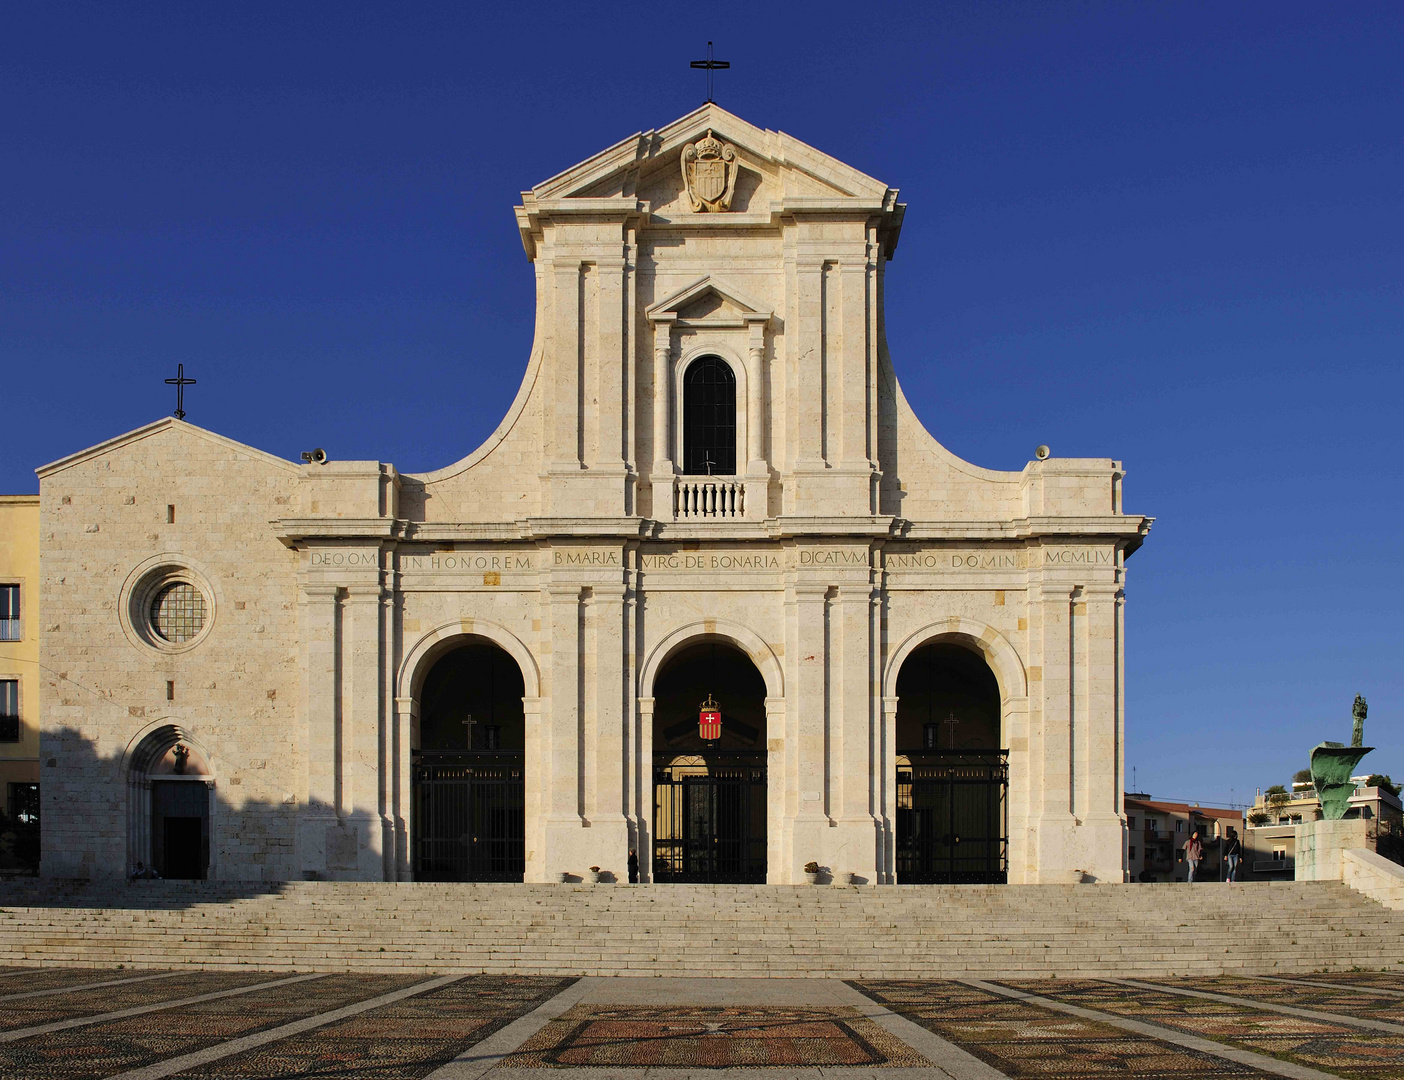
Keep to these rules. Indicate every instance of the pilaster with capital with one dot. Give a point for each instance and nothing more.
(661, 474)
(561, 728)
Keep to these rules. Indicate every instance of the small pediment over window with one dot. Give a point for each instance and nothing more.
(709, 302)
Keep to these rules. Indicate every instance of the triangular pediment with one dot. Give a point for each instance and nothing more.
(708, 300)
(632, 165)
(160, 427)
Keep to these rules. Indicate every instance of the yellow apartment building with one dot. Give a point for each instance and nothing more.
(19, 655)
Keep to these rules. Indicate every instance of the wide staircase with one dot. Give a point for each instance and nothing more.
(705, 930)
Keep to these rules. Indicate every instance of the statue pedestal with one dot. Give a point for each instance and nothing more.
(1320, 843)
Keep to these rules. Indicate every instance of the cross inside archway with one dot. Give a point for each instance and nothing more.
(951, 723)
(468, 723)
(710, 65)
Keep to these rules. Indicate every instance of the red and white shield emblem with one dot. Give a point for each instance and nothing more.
(709, 179)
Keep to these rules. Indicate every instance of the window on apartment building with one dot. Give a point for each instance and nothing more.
(1153, 824)
(9, 613)
(1131, 852)
(1131, 821)
(23, 803)
(1179, 826)
(1279, 854)
(9, 710)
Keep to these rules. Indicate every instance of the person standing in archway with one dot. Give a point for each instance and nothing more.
(1194, 851)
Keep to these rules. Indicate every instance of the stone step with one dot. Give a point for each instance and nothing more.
(894, 931)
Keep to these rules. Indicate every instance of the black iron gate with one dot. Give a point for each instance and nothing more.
(952, 820)
(709, 817)
(468, 821)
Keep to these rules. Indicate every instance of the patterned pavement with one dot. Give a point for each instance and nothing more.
(711, 1037)
(1023, 1040)
(26, 980)
(408, 1039)
(615, 1028)
(98, 1050)
(1348, 1000)
(1336, 1048)
(47, 1010)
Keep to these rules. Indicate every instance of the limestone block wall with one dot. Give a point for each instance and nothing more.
(169, 495)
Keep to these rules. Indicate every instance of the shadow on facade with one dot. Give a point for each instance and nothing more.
(156, 804)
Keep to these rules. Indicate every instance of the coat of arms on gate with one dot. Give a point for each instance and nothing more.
(709, 168)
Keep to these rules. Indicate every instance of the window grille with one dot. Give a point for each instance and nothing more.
(178, 612)
(9, 710)
(9, 612)
(709, 418)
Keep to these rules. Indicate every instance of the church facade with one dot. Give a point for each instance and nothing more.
(710, 594)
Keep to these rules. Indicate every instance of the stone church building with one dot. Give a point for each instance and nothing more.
(710, 593)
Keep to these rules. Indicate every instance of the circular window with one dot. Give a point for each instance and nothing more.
(168, 605)
(178, 612)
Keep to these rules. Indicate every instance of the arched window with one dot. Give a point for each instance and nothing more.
(709, 418)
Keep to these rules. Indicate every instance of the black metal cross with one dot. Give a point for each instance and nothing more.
(710, 65)
(180, 382)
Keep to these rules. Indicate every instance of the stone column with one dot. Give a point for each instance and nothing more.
(319, 627)
(806, 750)
(776, 790)
(536, 783)
(642, 778)
(852, 736)
(887, 871)
(1101, 785)
(1052, 687)
(605, 794)
(406, 720)
(661, 475)
(757, 470)
(362, 728)
(561, 797)
(565, 361)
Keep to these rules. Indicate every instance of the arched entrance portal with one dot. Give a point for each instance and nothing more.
(952, 774)
(169, 791)
(709, 795)
(467, 776)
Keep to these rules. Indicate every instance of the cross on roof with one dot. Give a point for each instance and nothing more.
(710, 65)
(180, 382)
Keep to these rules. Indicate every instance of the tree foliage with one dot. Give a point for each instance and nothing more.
(1382, 780)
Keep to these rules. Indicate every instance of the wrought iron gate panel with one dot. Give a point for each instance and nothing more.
(952, 818)
(709, 815)
(468, 821)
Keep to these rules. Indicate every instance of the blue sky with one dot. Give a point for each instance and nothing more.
(1165, 233)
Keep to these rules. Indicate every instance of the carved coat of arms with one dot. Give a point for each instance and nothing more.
(709, 170)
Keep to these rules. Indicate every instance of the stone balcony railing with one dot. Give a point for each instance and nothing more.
(708, 498)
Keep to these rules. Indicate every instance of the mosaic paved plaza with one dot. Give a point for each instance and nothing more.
(76, 1024)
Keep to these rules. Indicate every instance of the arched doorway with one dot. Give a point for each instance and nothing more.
(467, 819)
(709, 794)
(952, 773)
(169, 790)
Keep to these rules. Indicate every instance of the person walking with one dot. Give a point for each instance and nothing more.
(1194, 851)
(1233, 851)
